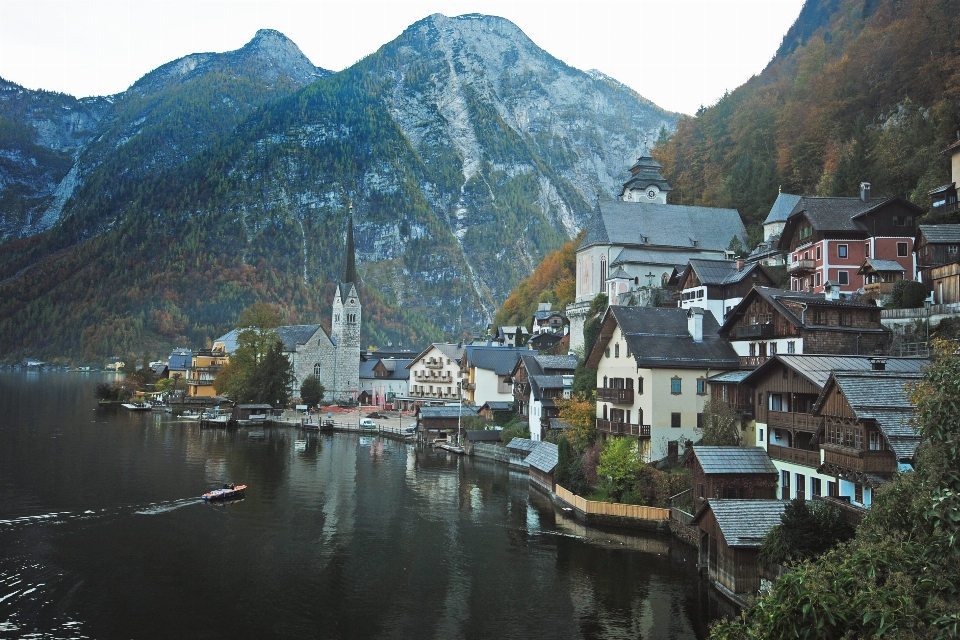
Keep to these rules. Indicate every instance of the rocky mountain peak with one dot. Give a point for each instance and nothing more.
(272, 47)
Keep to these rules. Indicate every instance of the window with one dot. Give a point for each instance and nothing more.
(831, 488)
(952, 249)
(818, 253)
(843, 277)
(875, 444)
(846, 319)
(701, 386)
(901, 249)
(616, 350)
(700, 490)
(773, 348)
(628, 349)
(866, 249)
(858, 493)
(760, 436)
(639, 385)
(675, 420)
(815, 487)
(606, 352)
(699, 421)
(818, 278)
(604, 383)
(317, 370)
(819, 316)
(784, 485)
(841, 251)
(675, 386)
(786, 373)
(791, 347)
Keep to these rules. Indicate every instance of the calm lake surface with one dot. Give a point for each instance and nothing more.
(102, 535)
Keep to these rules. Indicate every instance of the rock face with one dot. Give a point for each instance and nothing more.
(468, 152)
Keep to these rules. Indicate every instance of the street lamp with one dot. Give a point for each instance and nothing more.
(927, 305)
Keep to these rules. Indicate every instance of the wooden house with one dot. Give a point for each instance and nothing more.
(519, 449)
(731, 532)
(937, 245)
(538, 381)
(542, 461)
(868, 432)
(719, 285)
(744, 473)
(879, 276)
(946, 283)
(256, 412)
(771, 321)
(444, 422)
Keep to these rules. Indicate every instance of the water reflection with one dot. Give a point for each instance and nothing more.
(102, 535)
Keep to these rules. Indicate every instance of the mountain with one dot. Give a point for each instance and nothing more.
(858, 91)
(468, 153)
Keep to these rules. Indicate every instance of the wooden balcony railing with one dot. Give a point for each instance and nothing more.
(803, 266)
(754, 331)
(849, 513)
(795, 456)
(863, 461)
(788, 420)
(616, 396)
(432, 364)
(752, 361)
(623, 428)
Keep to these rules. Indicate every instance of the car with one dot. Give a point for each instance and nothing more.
(410, 428)
(367, 423)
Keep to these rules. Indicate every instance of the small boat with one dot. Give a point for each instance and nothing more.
(229, 492)
(136, 406)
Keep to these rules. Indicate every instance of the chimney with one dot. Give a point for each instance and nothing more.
(740, 264)
(877, 364)
(695, 323)
(865, 192)
(831, 291)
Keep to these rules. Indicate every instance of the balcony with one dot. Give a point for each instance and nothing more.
(749, 331)
(862, 461)
(623, 428)
(794, 456)
(798, 421)
(469, 386)
(801, 267)
(752, 361)
(433, 364)
(879, 288)
(616, 396)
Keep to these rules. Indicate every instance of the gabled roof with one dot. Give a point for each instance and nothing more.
(838, 215)
(497, 405)
(738, 460)
(543, 457)
(871, 265)
(539, 384)
(720, 272)
(743, 523)
(633, 224)
(659, 338)
(500, 360)
(817, 368)
(397, 368)
(940, 233)
(777, 298)
(557, 364)
(291, 336)
(883, 397)
(730, 377)
(782, 208)
(446, 349)
(522, 444)
(547, 313)
(448, 411)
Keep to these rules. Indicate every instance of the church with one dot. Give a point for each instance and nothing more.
(334, 358)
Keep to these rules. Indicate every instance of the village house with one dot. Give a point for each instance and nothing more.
(731, 532)
(719, 285)
(937, 247)
(770, 321)
(768, 251)
(548, 320)
(652, 367)
(511, 336)
(744, 473)
(383, 379)
(443, 422)
(786, 387)
(829, 238)
(550, 343)
(485, 373)
(554, 376)
(636, 243)
(868, 433)
(435, 375)
(879, 276)
(205, 364)
(943, 199)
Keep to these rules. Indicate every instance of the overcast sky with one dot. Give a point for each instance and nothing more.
(680, 54)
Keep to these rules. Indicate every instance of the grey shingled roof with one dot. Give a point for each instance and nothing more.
(817, 368)
(776, 298)
(522, 444)
(553, 364)
(671, 258)
(782, 208)
(937, 233)
(739, 460)
(730, 377)
(882, 265)
(397, 368)
(663, 225)
(882, 396)
(448, 412)
(540, 383)
(498, 405)
(500, 360)
(744, 523)
(543, 457)
(721, 272)
(291, 336)
(658, 337)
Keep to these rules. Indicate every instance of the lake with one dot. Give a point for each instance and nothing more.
(102, 535)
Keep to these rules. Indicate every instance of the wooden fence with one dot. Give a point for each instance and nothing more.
(612, 508)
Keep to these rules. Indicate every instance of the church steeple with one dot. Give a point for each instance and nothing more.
(349, 258)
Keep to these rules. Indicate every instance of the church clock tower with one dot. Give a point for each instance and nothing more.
(345, 325)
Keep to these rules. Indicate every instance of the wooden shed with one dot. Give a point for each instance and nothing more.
(251, 411)
(542, 461)
(731, 532)
(731, 473)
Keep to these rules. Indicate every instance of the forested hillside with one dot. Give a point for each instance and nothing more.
(858, 91)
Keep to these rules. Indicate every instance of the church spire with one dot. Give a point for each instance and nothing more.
(349, 258)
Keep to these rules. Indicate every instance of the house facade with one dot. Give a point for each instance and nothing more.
(937, 245)
(652, 367)
(719, 285)
(554, 375)
(744, 473)
(485, 373)
(435, 374)
(382, 379)
(770, 321)
(829, 238)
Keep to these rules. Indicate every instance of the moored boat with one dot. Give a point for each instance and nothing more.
(136, 406)
(229, 492)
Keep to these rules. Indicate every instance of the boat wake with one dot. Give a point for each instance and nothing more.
(62, 517)
(163, 507)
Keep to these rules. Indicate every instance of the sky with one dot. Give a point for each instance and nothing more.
(681, 54)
